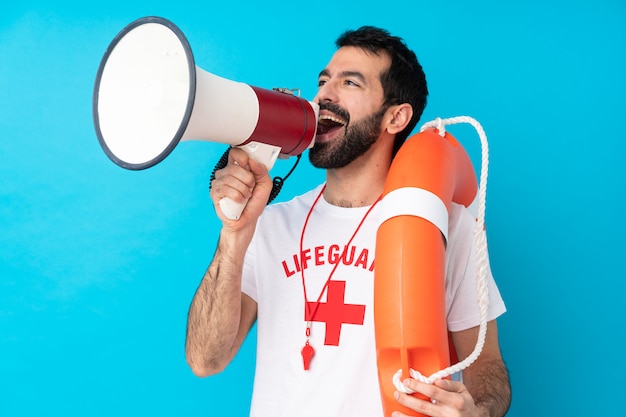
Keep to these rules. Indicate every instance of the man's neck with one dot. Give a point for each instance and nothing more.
(357, 185)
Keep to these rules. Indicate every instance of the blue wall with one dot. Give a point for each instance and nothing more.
(98, 264)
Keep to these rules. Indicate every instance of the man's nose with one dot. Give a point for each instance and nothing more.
(326, 93)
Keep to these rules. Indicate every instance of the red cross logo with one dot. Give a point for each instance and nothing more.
(334, 312)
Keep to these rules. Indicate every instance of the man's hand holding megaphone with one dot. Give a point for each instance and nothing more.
(245, 182)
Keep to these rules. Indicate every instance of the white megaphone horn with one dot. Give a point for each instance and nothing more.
(149, 95)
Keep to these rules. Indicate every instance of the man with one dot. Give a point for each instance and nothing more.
(304, 269)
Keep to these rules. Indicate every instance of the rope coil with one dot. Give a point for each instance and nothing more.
(480, 239)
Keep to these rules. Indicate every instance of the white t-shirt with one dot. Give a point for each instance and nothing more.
(342, 379)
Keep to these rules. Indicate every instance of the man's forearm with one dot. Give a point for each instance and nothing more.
(214, 317)
(488, 383)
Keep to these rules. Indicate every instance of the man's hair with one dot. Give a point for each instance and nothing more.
(403, 82)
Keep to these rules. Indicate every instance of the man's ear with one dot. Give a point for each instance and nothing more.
(398, 117)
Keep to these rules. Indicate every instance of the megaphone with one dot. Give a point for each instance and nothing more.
(149, 95)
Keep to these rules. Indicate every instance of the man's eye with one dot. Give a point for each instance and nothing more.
(321, 82)
(351, 83)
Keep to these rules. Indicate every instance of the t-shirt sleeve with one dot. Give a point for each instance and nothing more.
(462, 296)
(248, 280)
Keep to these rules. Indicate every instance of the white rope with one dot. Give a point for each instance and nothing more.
(480, 238)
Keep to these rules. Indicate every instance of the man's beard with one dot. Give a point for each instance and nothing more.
(358, 139)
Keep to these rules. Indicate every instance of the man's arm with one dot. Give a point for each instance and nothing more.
(487, 379)
(220, 315)
(219, 318)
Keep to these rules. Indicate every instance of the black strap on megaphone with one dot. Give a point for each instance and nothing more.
(277, 182)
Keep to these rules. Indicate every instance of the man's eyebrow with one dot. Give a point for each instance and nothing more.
(324, 73)
(344, 74)
(355, 74)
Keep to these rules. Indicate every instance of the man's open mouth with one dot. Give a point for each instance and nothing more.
(328, 123)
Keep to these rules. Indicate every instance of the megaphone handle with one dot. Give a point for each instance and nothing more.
(260, 152)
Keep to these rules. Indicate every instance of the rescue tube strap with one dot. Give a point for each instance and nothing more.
(411, 201)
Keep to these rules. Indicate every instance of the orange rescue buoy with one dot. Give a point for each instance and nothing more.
(427, 174)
